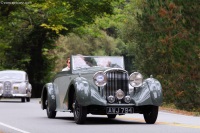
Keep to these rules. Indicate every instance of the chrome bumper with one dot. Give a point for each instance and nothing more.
(15, 95)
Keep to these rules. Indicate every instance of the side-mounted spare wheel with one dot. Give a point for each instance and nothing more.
(150, 114)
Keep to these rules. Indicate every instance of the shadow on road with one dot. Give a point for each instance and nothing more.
(14, 101)
(101, 120)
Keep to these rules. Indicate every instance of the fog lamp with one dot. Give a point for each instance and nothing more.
(111, 99)
(127, 99)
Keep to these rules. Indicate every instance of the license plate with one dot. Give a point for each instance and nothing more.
(119, 110)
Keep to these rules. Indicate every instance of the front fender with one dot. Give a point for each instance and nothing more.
(150, 93)
(48, 93)
(87, 93)
(29, 87)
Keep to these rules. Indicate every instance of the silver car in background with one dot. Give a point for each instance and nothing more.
(15, 84)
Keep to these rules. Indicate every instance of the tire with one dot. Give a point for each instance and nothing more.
(80, 113)
(151, 114)
(28, 99)
(50, 113)
(111, 116)
(23, 99)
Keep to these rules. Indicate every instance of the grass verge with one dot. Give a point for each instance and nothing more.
(172, 109)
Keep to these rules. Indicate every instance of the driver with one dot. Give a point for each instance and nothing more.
(68, 65)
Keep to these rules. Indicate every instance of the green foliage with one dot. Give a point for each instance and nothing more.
(63, 16)
(30, 30)
(85, 45)
(156, 37)
(166, 44)
(98, 38)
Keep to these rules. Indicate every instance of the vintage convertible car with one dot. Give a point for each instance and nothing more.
(100, 85)
(15, 84)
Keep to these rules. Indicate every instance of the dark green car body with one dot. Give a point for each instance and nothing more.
(80, 90)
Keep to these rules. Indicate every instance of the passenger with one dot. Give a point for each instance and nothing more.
(68, 65)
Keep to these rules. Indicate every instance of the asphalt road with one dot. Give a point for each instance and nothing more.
(17, 117)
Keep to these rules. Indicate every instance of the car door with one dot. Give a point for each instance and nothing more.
(61, 85)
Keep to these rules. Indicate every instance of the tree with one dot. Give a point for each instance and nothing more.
(35, 26)
(98, 38)
(166, 45)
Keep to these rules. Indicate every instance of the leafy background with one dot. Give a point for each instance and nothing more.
(158, 37)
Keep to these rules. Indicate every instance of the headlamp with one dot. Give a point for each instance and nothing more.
(135, 79)
(100, 79)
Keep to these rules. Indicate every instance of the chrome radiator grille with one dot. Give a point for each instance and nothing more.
(116, 80)
(7, 87)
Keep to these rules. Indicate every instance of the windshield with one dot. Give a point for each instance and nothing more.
(79, 62)
(8, 75)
